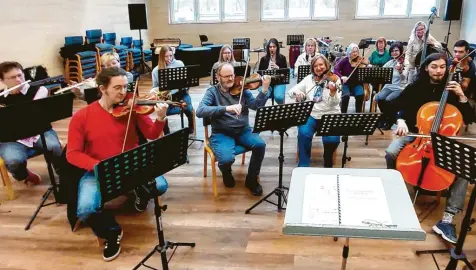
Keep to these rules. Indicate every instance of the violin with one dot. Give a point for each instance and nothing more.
(416, 161)
(359, 61)
(250, 83)
(143, 105)
(463, 67)
(328, 76)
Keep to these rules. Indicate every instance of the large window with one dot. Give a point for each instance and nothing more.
(298, 9)
(191, 11)
(394, 8)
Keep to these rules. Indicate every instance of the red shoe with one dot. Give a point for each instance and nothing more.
(32, 178)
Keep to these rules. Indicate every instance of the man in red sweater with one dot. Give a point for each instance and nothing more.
(94, 135)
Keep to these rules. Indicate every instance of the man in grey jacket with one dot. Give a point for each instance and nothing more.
(230, 126)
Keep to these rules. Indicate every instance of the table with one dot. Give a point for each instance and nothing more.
(407, 226)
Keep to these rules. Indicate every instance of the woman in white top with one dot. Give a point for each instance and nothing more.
(415, 45)
(305, 58)
(226, 56)
(324, 88)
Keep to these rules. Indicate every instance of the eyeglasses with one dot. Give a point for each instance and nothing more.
(227, 76)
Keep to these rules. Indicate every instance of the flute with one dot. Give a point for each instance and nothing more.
(8, 90)
(71, 87)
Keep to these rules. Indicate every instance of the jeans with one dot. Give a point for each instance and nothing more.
(358, 92)
(279, 92)
(172, 110)
(16, 154)
(455, 202)
(223, 146)
(305, 134)
(389, 92)
(89, 204)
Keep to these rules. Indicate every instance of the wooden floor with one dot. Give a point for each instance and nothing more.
(226, 238)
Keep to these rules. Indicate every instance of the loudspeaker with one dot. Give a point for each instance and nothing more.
(453, 10)
(137, 16)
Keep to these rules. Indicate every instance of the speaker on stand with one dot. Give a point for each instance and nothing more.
(138, 21)
(452, 13)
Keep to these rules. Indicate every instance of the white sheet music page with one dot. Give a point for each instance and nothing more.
(320, 203)
(363, 202)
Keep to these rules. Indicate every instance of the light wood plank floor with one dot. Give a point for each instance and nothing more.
(226, 238)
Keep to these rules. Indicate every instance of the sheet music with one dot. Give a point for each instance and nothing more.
(345, 200)
(363, 201)
(320, 204)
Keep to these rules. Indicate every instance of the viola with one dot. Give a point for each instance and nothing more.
(143, 105)
(250, 83)
(328, 76)
(359, 61)
(416, 161)
(463, 67)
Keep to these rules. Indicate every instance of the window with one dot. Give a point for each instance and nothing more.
(298, 9)
(203, 11)
(394, 8)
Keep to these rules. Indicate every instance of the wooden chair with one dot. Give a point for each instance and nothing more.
(207, 150)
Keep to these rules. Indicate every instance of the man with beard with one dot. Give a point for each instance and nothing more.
(230, 125)
(428, 87)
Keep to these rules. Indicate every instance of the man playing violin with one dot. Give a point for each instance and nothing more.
(230, 125)
(321, 86)
(15, 154)
(428, 87)
(468, 69)
(94, 135)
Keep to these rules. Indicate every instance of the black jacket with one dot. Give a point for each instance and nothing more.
(418, 93)
(280, 61)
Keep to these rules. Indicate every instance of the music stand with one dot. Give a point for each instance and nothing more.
(239, 71)
(179, 78)
(303, 71)
(39, 114)
(295, 40)
(283, 78)
(280, 117)
(375, 76)
(122, 173)
(348, 124)
(459, 159)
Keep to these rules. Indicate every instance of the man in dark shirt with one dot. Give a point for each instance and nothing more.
(468, 76)
(230, 126)
(429, 87)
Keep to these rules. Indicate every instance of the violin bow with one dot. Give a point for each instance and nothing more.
(358, 64)
(244, 79)
(136, 88)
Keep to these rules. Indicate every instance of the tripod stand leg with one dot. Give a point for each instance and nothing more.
(42, 203)
(260, 201)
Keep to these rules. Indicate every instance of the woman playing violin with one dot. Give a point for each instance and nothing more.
(322, 87)
(429, 87)
(351, 88)
(391, 91)
(167, 60)
(94, 135)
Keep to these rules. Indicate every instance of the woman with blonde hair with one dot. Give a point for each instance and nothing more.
(226, 56)
(305, 58)
(167, 60)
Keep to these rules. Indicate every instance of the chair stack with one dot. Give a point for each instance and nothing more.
(94, 37)
(134, 53)
(81, 65)
(121, 50)
(147, 56)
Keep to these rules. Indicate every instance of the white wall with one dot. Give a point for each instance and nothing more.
(468, 21)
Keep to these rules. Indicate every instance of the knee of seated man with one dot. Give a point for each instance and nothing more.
(227, 158)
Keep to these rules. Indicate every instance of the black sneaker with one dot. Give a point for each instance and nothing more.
(141, 201)
(228, 178)
(254, 186)
(112, 247)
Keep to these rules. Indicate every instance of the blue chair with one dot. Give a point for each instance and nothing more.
(81, 65)
(134, 54)
(73, 40)
(147, 53)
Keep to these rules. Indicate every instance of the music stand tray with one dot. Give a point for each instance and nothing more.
(348, 124)
(303, 71)
(459, 159)
(241, 43)
(280, 118)
(239, 71)
(139, 167)
(39, 114)
(295, 40)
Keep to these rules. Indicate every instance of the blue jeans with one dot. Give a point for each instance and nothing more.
(182, 95)
(16, 154)
(305, 134)
(279, 92)
(89, 194)
(223, 146)
(388, 93)
(358, 92)
(455, 202)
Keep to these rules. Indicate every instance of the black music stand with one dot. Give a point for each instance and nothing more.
(375, 76)
(138, 167)
(303, 71)
(283, 78)
(281, 118)
(295, 40)
(180, 78)
(459, 159)
(239, 71)
(39, 114)
(348, 124)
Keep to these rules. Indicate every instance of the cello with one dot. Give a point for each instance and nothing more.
(415, 162)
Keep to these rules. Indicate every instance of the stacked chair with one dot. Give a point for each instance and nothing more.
(94, 37)
(134, 53)
(121, 50)
(147, 57)
(80, 60)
